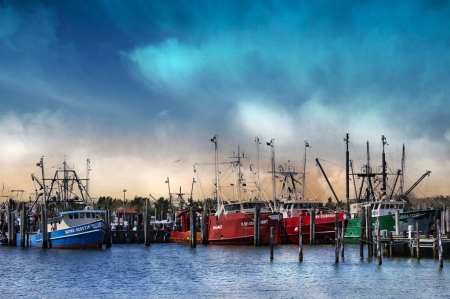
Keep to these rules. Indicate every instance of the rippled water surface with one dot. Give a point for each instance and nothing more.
(176, 270)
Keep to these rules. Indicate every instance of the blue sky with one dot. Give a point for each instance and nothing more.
(137, 85)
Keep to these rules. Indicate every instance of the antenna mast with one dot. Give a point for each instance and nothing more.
(383, 156)
(347, 188)
(402, 177)
(271, 144)
(88, 168)
(257, 165)
(304, 170)
(216, 162)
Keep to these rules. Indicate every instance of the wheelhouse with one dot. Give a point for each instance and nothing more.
(246, 207)
(379, 208)
(74, 218)
(290, 208)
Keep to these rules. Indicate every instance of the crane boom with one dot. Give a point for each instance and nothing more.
(416, 183)
(332, 190)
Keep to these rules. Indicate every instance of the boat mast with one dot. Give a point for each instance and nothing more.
(239, 174)
(402, 177)
(88, 168)
(65, 181)
(257, 165)
(383, 156)
(346, 139)
(216, 162)
(274, 191)
(43, 181)
(369, 172)
(304, 171)
(353, 179)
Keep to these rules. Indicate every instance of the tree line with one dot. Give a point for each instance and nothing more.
(161, 204)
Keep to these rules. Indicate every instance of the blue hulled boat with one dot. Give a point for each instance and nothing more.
(74, 229)
(70, 222)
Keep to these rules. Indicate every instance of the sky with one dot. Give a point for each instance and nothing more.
(136, 85)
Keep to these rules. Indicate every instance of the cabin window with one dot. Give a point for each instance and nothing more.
(401, 206)
(70, 216)
(376, 206)
(93, 215)
(392, 206)
(81, 215)
(88, 215)
(295, 205)
(382, 206)
(232, 207)
(248, 205)
(285, 206)
(75, 215)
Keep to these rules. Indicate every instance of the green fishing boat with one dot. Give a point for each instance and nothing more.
(385, 211)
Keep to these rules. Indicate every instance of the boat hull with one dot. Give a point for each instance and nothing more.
(84, 236)
(324, 233)
(387, 222)
(239, 228)
(183, 237)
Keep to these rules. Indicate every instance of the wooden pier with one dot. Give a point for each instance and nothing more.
(120, 236)
(400, 245)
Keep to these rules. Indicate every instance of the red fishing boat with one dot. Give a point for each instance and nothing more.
(324, 223)
(235, 224)
(183, 232)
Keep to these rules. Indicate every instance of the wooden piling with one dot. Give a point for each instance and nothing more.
(369, 228)
(312, 228)
(9, 217)
(362, 231)
(300, 241)
(138, 228)
(418, 242)
(23, 224)
(447, 220)
(397, 222)
(204, 226)
(147, 223)
(129, 231)
(443, 228)
(193, 228)
(390, 244)
(441, 260)
(380, 261)
(108, 228)
(271, 244)
(336, 231)
(342, 240)
(257, 226)
(44, 225)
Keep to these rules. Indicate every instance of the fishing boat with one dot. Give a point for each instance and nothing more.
(65, 227)
(383, 205)
(234, 224)
(293, 204)
(72, 229)
(182, 232)
(384, 212)
(325, 222)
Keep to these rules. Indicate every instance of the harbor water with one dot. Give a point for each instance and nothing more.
(178, 271)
